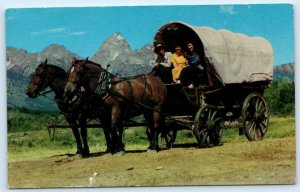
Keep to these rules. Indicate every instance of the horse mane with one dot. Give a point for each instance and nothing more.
(91, 62)
(59, 72)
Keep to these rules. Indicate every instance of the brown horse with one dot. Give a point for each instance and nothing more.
(126, 97)
(47, 75)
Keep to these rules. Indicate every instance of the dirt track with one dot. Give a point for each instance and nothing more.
(271, 161)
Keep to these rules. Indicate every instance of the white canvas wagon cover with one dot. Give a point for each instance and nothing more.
(235, 57)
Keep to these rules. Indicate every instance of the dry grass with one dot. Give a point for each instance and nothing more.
(271, 161)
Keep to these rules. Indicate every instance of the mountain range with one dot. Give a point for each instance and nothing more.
(114, 51)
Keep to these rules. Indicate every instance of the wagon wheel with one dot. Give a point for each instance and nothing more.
(255, 117)
(208, 127)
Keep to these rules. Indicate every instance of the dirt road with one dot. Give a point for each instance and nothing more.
(271, 161)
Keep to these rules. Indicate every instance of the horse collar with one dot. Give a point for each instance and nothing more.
(104, 85)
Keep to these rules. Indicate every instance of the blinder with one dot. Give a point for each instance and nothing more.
(42, 77)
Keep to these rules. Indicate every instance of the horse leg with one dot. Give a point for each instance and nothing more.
(116, 138)
(106, 130)
(76, 134)
(149, 133)
(149, 118)
(120, 131)
(83, 130)
(156, 130)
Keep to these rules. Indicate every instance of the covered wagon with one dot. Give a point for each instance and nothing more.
(238, 69)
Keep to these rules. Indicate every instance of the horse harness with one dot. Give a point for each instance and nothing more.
(103, 89)
(104, 85)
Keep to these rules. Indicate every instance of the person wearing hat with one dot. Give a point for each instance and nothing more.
(163, 63)
(163, 57)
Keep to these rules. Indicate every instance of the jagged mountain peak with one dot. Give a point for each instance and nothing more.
(54, 47)
(114, 48)
(55, 51)
(117, 36)
(116, 40)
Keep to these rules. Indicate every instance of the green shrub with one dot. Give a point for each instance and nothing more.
(280, 97)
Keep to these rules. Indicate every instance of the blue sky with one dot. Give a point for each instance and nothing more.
(83, 30)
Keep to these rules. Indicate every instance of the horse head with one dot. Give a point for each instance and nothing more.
(76, 79)
(39, 80)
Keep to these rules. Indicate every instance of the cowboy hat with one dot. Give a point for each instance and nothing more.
(158, 47)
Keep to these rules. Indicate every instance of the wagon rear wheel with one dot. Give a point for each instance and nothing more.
(255, 117)
(208, 127)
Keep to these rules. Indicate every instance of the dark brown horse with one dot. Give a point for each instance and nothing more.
(126, 97)
(47, 75)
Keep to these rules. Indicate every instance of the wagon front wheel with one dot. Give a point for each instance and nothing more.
(255, 117)
(208, 126)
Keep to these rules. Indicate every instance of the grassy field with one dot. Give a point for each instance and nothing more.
(28, 137)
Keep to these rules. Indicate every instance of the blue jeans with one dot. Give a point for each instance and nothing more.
(189, 75)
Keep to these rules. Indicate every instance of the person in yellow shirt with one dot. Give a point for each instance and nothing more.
(179, 62)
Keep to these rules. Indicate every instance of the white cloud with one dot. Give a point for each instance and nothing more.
(78, 33)
(227, 9)
(53, 30)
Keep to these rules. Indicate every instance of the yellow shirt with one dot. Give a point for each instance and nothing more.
(179, 62)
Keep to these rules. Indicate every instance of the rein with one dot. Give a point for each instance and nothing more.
(105, 83)
(44, 94)
(116, 94)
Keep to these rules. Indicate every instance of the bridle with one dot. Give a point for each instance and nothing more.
(80, 88)
(41, 85)
(103, 84)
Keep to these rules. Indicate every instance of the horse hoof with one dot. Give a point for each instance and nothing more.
(107, 151)
(152, 151)
(77, 155)
(120, 153)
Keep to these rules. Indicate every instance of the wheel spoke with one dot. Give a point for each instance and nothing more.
(263, 109)
(253, 131)
(261, 131)
(204, 138)
(251, 128)
(213, 137)
(263, 127)
(263, 124)
(209, 114)
(213, 115)
(260, 105)
(257, 136)
(217, 119)
(256, 103)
